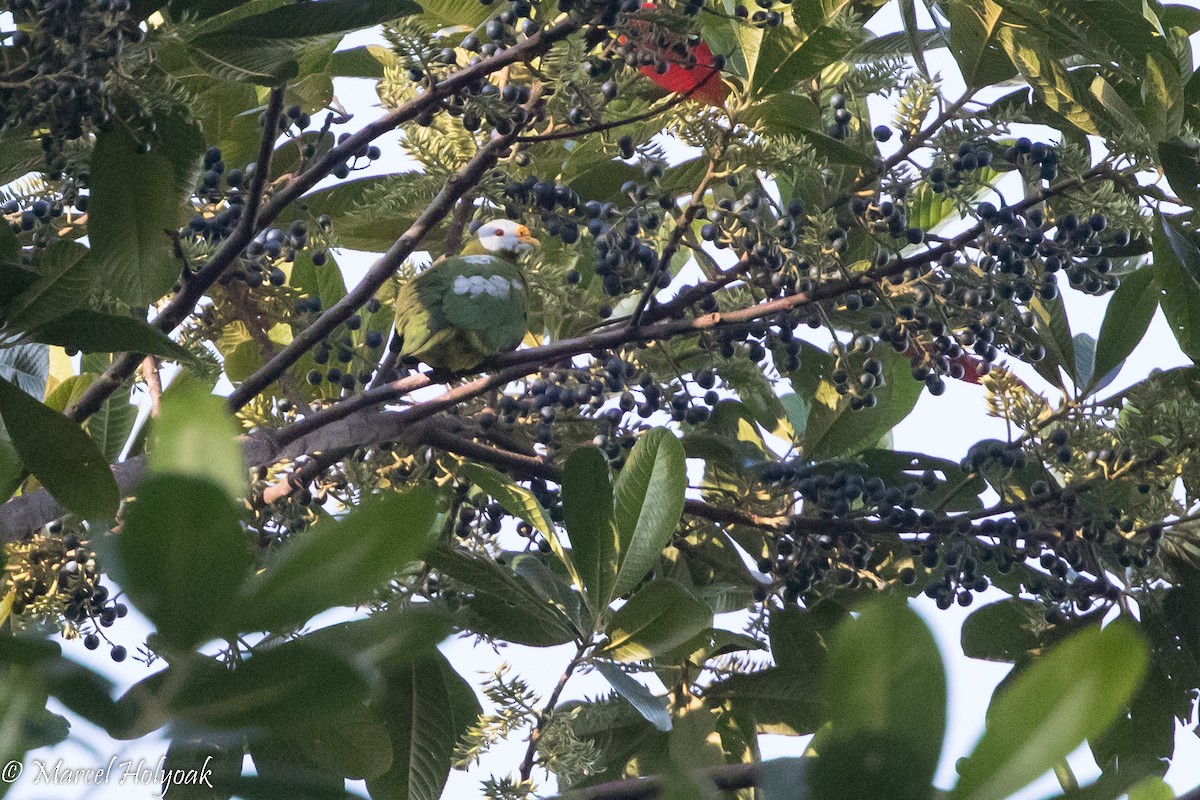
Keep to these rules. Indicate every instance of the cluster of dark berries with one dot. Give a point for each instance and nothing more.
(839, 126)
(1038, 157)
(956, 170)
(756, 340)
(59, 59)
(477, 516)
(41, 217)
(218, 183)
(558, 205)
(762, 234)
(881, 215)
(53, 579)
(644, 42)
(1023, 249)
(763, 15)
(342, 363)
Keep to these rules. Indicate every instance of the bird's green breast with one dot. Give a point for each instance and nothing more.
(462, 310)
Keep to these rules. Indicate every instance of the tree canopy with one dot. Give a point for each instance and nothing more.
(766, 231)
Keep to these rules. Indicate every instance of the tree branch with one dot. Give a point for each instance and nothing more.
(544, 718)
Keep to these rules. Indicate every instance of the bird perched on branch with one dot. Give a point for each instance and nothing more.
(468, 307)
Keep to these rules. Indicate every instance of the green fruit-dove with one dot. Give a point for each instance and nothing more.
(468, 307)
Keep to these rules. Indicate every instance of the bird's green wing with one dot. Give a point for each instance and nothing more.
(419, 312)
(486, 295)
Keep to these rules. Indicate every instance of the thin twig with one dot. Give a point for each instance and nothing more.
(544, 718)
(153, 384)
(682, 223)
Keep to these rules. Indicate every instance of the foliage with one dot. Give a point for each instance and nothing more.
(744, 284)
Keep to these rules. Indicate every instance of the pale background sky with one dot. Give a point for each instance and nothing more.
(943, 426)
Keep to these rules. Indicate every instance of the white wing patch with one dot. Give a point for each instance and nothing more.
(475, 285)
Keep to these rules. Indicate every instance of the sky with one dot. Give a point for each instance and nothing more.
(944, 426)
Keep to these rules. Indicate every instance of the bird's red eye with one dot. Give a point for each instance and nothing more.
(498, 232)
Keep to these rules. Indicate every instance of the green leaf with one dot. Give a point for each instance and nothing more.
(588, 516)
(1010, 630)
(658, 617)
(96, 332)
(1054, 331)
(929, 210)
(358, 62)
(325, 282)
(183, 558)
(653, 709)
(63, 281)
(886, 689)
(59, 454)
(321, 18)
(195, 435)
(974, 42)
(426, 706)
(1120, 117)
(1180, 163)
(362, 218)
(135, 199)
(386, 639)
(353, 743)
(341, 563)
(1152, 789)
(800, 638)
(1177, 273)
(1054, 85)
(516, 500)
(831, 427)
(230, 57)
(1085, 358)
(279, 687)
(26, 365)
(1142, 741)
(781, 700)
(22, 699)
(457, 13)
(550, 587)
(1162, 95)
(649, 502)
(1126, 319)
(713, 642)
(501, 604)
(284, 770)
(111, 425)
(1074, 692)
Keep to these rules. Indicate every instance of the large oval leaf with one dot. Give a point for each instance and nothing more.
(588, 515)
(649, 502)
(886, 689)
(183, 557)
(341, 563)
(1075, 692)
(59, 454)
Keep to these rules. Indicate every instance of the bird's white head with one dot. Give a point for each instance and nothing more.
(505, 237)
